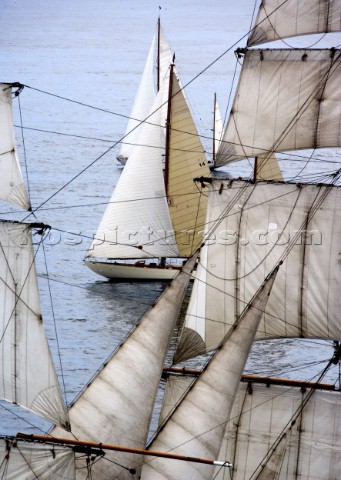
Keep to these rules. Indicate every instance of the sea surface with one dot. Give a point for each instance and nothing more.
(81, 62)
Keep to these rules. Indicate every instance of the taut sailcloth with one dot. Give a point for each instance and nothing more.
(146, 93)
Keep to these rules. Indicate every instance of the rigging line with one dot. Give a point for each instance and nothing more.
(86, 205)
(55, 325)
(28, 463)
(288, 426)
(79, 103)
(24, 149)
(119, 465)
(13, 413)
(4, 466)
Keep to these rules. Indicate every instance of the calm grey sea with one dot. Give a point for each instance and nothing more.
(93, 52)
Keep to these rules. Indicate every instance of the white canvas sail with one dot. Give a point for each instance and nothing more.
(279, 19)
(142, 106)
(197, 425)
(186, 161)
(27, 375)
(146, 92)
(286, 100)
(12, 188)
(116, 406)
(136, 223)
(254, 234)
(260, 415)
(23, 461)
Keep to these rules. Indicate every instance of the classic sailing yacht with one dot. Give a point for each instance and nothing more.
(153, 215)
(284, 285)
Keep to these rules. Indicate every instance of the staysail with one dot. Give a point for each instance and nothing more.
(196, 426)
(12, 188)
(286, 100)
(257, 224)
(28, 377)
(116, 406)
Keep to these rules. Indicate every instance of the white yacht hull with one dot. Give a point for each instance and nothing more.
(131, 271)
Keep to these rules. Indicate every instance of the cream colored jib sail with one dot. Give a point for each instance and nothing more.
(151, 215)
(12, 188)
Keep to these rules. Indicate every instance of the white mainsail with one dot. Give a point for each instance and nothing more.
(185, 160)
(116, 406)
(24, 461)
(286, 100)
(279, 19)
(262, 413)
(196, 426)
(136, 223)
(12, 188)
(27, 374)
(258, 222)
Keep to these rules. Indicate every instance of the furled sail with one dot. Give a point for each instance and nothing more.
(24, 461)
(185, 160)
(260, 414)
(260, 224)
(286, 100)
(27, 373)
(116, 406)
(12, 188)
(136, 222)
(196, 426)
(277, 19)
